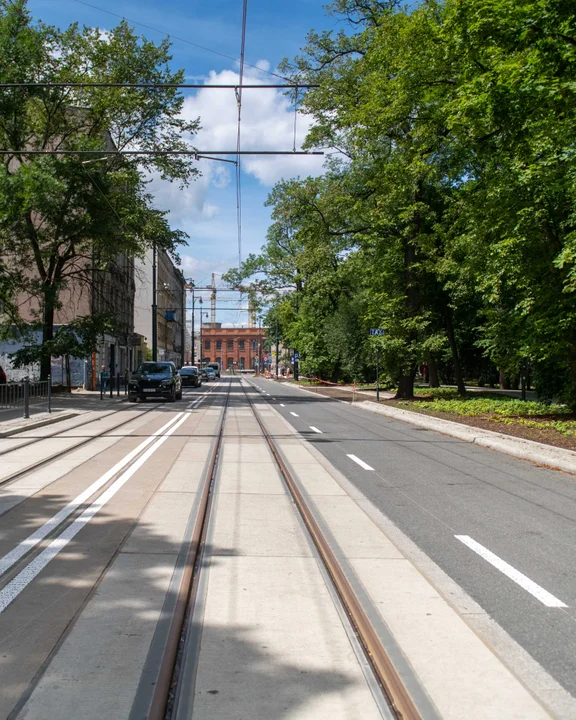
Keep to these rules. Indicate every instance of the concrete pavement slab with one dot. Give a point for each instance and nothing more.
(96, 671)
(273, 646)
(251, 478)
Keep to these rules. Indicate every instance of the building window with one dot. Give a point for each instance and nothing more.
(254, 345)
(219, 361)
(218, 344)
(242, 363)
(206, 344)
(230, 345)
(240, 344)
(230, 362)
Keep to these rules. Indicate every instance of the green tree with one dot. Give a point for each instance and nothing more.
(63, 219)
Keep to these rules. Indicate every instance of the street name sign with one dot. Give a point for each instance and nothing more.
(377, 332)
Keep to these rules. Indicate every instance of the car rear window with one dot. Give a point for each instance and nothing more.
(188, 371)
(155, 369)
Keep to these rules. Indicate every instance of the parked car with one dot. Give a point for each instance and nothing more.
(2, 376)
(216, 367)
(155, 379)
(210, 372)
(190, 376)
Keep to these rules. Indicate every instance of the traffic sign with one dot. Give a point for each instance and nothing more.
(296, 356)
(377, 332)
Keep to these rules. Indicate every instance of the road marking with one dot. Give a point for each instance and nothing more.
(315, 429)
(360, 462)
(282, 405)
(32, 540)
(519, 578)
(11, 591)
(293, 413)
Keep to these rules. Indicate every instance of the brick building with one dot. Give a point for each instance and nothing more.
(241, 348)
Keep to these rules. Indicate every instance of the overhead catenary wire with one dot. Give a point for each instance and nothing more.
(181, 39)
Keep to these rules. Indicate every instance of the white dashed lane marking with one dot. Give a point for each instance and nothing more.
(360, 462)
(519, 578)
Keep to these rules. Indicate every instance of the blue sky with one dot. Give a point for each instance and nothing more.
(207, 211)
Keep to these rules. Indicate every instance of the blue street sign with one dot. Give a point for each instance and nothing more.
(296, 356)
(377, 332)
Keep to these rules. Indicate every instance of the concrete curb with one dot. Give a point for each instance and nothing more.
(540, 453)
(39, 424)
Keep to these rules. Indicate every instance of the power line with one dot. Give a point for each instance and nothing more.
(181, 39)
(156, 86)
(238, 152)
(197, 153)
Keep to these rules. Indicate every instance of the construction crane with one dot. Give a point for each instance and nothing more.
(214, 290)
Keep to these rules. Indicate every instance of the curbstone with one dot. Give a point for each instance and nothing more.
(540, 453)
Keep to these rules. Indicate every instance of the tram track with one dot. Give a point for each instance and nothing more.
(65, 451)
(46, 541)
(165, 704)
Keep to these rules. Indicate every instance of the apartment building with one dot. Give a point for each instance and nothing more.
(240, 348)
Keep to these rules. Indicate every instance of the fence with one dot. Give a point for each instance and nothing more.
(113, 385)
(24, 394)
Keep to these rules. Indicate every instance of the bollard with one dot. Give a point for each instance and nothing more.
(111, 386)
(49, 393)
(26, 397)
(118, 384)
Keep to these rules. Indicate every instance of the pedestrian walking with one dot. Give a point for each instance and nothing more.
(103, 378)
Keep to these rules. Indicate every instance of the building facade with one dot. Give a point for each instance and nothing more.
(234, 348)
(171, 307)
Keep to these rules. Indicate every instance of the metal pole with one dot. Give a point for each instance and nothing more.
(154, 308)
(49, 393)
(377, 377)
(183, 325)
(26, 397)
(193, 356)
(118, 384)
(277, 348)
(200, 358)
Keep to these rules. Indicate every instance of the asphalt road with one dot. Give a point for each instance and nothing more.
(435, 488)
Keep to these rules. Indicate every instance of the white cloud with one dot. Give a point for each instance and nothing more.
(267, 124)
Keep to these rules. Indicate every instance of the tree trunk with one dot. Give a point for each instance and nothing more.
(47, 328)
(433, 380)
(504, 382)
(406, 386)
(454, 351)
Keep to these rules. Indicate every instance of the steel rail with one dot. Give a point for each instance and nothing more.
(186, 590)
(397, 694)
(56, 434)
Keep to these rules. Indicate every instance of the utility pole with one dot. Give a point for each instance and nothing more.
(277, 348)
(154, 308)
(193, 356)
(183, 323)
(200, 301)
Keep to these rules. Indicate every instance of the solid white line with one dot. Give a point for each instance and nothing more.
(32, 540)
(282, 405)
(519, 578)
(293, 413)
(360, 462)
(9, 593)
(315, 429)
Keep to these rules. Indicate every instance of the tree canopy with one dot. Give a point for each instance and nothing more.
(446, 214)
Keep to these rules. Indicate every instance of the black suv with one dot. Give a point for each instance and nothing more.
(155, 379)
(190, 376)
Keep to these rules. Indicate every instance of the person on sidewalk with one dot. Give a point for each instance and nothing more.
(103, 378)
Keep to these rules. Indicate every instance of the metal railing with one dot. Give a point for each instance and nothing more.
(26, 393)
